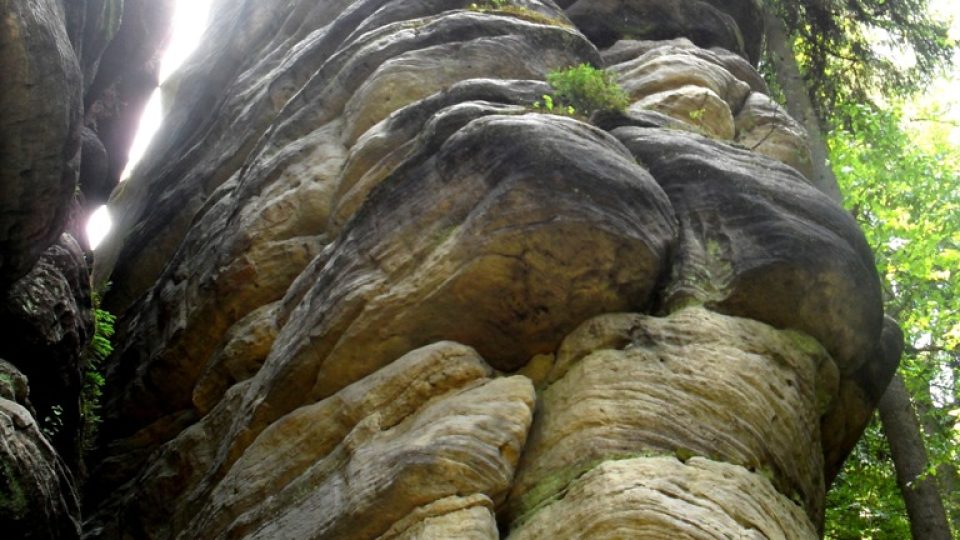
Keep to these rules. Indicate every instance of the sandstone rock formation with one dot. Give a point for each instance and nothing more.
(54, 167)
(366, 290)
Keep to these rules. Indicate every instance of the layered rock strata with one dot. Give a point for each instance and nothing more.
(368, 291)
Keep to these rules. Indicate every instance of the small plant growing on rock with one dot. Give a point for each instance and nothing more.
(548, 105)
(586, 90)
(99, 349)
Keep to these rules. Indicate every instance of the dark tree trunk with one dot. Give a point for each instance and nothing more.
(946, 472)
(798, 100)
(928, 520)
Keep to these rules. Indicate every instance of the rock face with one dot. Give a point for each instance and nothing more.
(692, 384)
(40, 107)
(53, 167)
(48, 315)
(367, 290)
(32, 474)
(37, 495)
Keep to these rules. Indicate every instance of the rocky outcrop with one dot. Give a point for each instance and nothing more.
(53, 159)
(49, 321)
(663, 497)
(40, 116)
(367, 290)
(692, 384)
(37, 494)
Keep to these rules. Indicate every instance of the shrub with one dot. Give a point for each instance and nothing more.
(587, 89)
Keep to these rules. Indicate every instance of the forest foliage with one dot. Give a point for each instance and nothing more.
(864, 62)
(906, 196)
(853, 51)
(903, 185)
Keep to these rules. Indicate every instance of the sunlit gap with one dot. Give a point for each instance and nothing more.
(189, 22)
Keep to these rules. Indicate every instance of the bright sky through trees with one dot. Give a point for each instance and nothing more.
(189, 21)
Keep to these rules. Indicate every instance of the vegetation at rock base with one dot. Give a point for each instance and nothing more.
(97, 351)
(583, 90)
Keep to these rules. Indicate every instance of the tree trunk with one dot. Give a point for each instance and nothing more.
(946, 472)
(928, 520)
(798, 101)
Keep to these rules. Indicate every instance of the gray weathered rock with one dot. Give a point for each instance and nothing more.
(13, 384)
(626, 50)
(48, 320)
(266, 223)
(758, 241)
(485, 261)
(356, 257)
(37, 497)
(766, 128)
(733, 25)
(40, 114)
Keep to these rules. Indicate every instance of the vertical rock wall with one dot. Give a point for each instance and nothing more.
(63, 90)
(367, 291)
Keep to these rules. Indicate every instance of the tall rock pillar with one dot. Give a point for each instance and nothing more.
(368, 290)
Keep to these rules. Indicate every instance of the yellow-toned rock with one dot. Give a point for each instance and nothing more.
(694, 105)
(246, 345)
(431, 425)
(766, 128)
(535, 50)
(695, 383)
(467, 518)
(669, 68)
(662, 498)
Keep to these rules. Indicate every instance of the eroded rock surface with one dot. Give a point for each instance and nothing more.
(54, 166)
(48, 317)
(693, 384)
(663, 498)
(40, 114)
(368, 291)
(38, 498)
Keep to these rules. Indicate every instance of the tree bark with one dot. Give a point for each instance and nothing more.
(946, 472)
(798, 101)
(928, 520)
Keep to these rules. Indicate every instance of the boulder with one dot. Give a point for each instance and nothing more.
(482, 244)
(693, 384)
(758, 241)
(662, 497)
(707, 23)
(627, 50)
(267, 221)
(766, 128)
